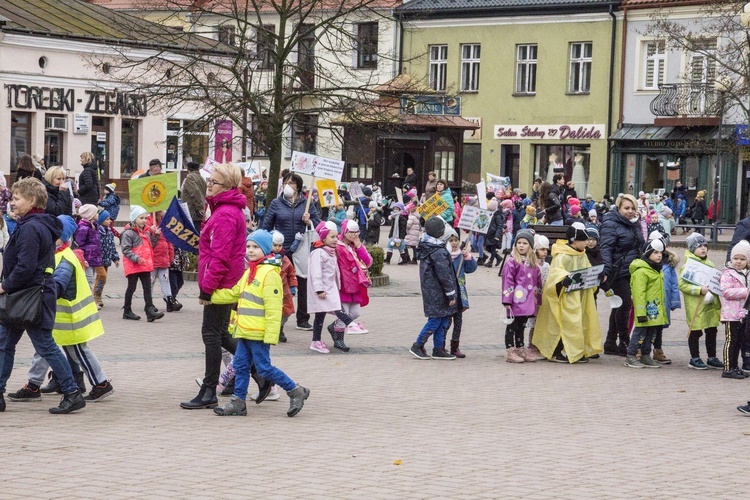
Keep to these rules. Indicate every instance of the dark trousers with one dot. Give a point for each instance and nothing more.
(176, 280)
(694, 346)
(618, 318)
(658, 336)
(514, 332)
(320, 319)
(145, 279)
(734, 342)
(302, 316)
(215, 336)
(458, 321)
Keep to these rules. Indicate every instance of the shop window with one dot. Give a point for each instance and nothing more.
(445, 159)
(438, 67)
(572, 160)
(580, 67)
(100, 142)
(510, 162)
(305, 133)
(526, 69)
(367, 45)
(472, 162)
(20, 137)
(55, 127)
(187, 140)
(470, 67)
(129, 147)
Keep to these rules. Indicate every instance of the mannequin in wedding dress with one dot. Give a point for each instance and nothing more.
(579, 174)
(551, 167)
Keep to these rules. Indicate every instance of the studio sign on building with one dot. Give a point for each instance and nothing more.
(559, 132)
(62, 99)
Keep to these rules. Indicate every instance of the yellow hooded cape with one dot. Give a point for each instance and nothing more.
(571, 315)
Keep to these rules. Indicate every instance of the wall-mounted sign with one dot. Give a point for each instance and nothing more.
(558, 132)
(80, 123)
(476, 134)
(62, 99)
(431, 105)
(101, 137)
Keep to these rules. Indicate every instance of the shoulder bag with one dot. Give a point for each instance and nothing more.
(22, 308)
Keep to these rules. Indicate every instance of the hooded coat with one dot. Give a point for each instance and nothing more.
(30, 251)
(88, 185)
(436, 278)
(522, 287)
(708, 315)
(734, 291)
(671, 291)
(87, 239)
(570, 316)
(111, 203)
(412, 229)
(353, 264)
(647, 289)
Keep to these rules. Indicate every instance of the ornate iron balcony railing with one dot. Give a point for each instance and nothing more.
(686, 99)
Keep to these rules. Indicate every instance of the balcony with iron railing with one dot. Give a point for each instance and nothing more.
(686, 104)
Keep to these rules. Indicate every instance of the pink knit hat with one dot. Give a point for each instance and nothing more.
(323, 228)
(575, 210)
(87, 212)
(574, 201)
(507, 204)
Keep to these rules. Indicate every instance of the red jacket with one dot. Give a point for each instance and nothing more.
(163, 250)
(289, 278)
(247, 189)
(136, 248)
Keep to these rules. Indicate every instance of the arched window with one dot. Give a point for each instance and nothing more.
(445, 159)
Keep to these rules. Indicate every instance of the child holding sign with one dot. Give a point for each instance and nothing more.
(702, 309)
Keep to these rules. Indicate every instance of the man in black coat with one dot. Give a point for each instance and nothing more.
(741, 232)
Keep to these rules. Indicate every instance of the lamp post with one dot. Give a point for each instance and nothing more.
(722, 86)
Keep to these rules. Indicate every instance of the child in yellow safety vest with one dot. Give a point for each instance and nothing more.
(76, 323)
(259, 295)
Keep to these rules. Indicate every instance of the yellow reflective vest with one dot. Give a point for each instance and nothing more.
(259, 304)
(77, 320)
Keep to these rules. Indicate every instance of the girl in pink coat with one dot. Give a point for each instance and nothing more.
(734, 282)
(323, 283)
(353, 261)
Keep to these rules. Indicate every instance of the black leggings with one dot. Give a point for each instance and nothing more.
(514, 332)
(320, 319)
(619, 318)
(735, 340)
(176, 281)
(302, 316)
(695, 335)
(458, 320)
(145, 278)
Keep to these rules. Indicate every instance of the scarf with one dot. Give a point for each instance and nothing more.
(319, 244)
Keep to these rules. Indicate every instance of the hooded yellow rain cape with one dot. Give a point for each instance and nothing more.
(571, 315)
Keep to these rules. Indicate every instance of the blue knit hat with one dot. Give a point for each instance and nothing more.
(263, 239)
(69, 227)
(103, 215)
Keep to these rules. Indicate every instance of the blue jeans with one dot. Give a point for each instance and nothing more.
(641, 338)
(477, 241)
(556, 223)
(256, 352)
(47, 349)
(436, 327)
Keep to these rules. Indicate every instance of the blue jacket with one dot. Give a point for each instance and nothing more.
(111, 203)
(587, 206)
(671, 292)
(621, 242)
(286, 218)
(436, 278)
(30, 251)
(679, 210)
(469, 267)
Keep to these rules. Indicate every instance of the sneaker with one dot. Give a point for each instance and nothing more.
(418, 351)
(25, 394)
(236, 407)
(526, 354)
(649, 362)
(745, 409)
(441, 353)
(734, 374)
(697, 364)
(319, 346)
(304, 326)
(69, 403)
(274, 395)
(355, 329)
(99, 392)
(583, 359)
(513, 355)
(631, 362)
(714, 363)
(559, 358)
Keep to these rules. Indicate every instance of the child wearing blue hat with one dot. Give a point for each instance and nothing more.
(259, 296)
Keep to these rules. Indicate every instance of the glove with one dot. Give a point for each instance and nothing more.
(294, 290)
(566, 282)
(642, 319)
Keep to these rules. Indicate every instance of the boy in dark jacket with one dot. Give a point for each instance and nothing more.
(439, 290)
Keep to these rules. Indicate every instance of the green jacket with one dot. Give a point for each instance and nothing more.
(708, 315)
(647, 288)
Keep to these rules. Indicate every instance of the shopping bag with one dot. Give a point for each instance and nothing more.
(302, 253)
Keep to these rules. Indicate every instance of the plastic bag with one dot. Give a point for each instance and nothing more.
(301, 255)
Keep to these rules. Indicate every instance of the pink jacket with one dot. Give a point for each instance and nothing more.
(522, 288)
(221, 251)
(412, 230)
(734, 294)
(352, 275)
(323, 276)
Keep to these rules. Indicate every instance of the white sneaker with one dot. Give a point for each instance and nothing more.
(319, 346)
(356, 329)
(274, 395)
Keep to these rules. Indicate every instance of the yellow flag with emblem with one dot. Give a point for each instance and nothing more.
(155, 192)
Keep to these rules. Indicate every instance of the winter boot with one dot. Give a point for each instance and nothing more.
(404, 259)
(236, 407)
(206, 398)
(388, 256)
(623, 346)
(152, 314)
(513, 356)
(176, 304)
(455, 350)
(228, 389)
(69, 403)
(52, 386)
(661, 357)
(488, 262)
(282, 337)
(527, 355)
(338, 339)
(170, 304)
(128, 313)
(297, 397)
(264, 386)
(480, 261)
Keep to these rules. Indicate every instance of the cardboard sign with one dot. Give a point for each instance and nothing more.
(317, 166)
(585, 278)
(208, 167)
(482, 195)
(328, 194)
(155, 192)
(475, 219)
(355, 190)
(702, 275)
(399, 195)
(251, 169)
(435, 205)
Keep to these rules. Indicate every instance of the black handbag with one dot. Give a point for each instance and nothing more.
(22, 308)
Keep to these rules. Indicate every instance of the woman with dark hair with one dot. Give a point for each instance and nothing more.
(25, 168)
(287, 215)
(550, 203)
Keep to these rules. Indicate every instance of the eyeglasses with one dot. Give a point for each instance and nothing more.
(212, 182)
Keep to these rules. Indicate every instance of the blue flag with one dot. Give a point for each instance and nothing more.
(178, 229)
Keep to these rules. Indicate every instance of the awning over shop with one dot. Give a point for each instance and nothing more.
(653, 133)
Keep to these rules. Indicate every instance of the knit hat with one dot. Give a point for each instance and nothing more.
(263, 239)
(694, 241)
(103, 215)
(435, 227)
(349, 226)
(576, 232)
(323, 228)
(136, 211)
(278, 237)
(655, 235)
(69, 227)
(400, 206)
(87, 212)
(666, 211)
(526, 234)
(575, 210)
(593, 213)
(741, 248)
(651, 247)
(449, 233)
(373, 205)
(541, 241)
(367, 191)
(507, 204)
(110, 187)
(492, 205)
(592, 231)
(574, 202)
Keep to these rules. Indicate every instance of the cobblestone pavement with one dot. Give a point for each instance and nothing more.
(381, 424)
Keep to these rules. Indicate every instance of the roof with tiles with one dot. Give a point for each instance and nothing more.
(80, 20)
(424, 6)
(228, 5)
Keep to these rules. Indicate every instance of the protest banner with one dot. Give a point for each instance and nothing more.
(399, 195)
(498, 185)
(482, 195)
(208, 167)
(178, 229)
(328, 195)
(585, 278)
(155, 192)
(317, 166)
(435, 205)
(355, 190)
(251, 170)
(475, 219)
(702, 275)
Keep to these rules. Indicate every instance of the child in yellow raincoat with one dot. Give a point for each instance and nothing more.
(568, 319)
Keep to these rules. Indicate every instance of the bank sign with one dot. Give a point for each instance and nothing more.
(62, 99)
(567, 132)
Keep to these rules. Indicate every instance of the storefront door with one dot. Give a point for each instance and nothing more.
(100, 145)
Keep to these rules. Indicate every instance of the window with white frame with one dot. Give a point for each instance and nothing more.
(367, 45)
(470, 67)
(702, 73)
(526, 69)
(438, 66)
(654, 62)
(580, 67)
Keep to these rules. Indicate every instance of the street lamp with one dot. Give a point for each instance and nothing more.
(722, 86)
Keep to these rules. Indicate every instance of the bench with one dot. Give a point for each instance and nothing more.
(553, 233)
